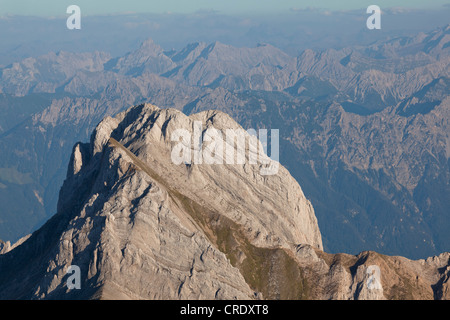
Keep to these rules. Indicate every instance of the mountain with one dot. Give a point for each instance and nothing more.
(149, 58)
(218, 65)
(362, 173)
(49, 72)
(364, 130)
(139, 226)
(134, 201)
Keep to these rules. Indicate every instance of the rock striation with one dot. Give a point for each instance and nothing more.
(139, 226)
(365, 129)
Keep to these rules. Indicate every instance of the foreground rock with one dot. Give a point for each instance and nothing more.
(140, 226)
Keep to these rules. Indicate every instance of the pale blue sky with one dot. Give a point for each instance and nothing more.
(95, 7)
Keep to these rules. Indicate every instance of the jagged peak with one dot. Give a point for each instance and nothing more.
(141, 227)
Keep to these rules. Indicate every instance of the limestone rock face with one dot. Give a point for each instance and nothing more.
(140, 224)
(373, 276)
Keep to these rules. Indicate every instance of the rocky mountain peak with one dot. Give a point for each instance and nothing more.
(149, 58)
(140, 226)
(364, 132)
(148, 132)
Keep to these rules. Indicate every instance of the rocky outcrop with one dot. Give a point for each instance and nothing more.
(140, 226)
(7, 246)
(2, 246)
(373, 276)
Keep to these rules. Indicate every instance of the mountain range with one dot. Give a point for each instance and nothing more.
(363, 130)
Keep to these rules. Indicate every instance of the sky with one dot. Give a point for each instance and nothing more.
(49, 8)
(29, 28)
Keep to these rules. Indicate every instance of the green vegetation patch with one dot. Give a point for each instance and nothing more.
(270, 271)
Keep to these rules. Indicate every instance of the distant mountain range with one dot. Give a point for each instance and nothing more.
(364, 130)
